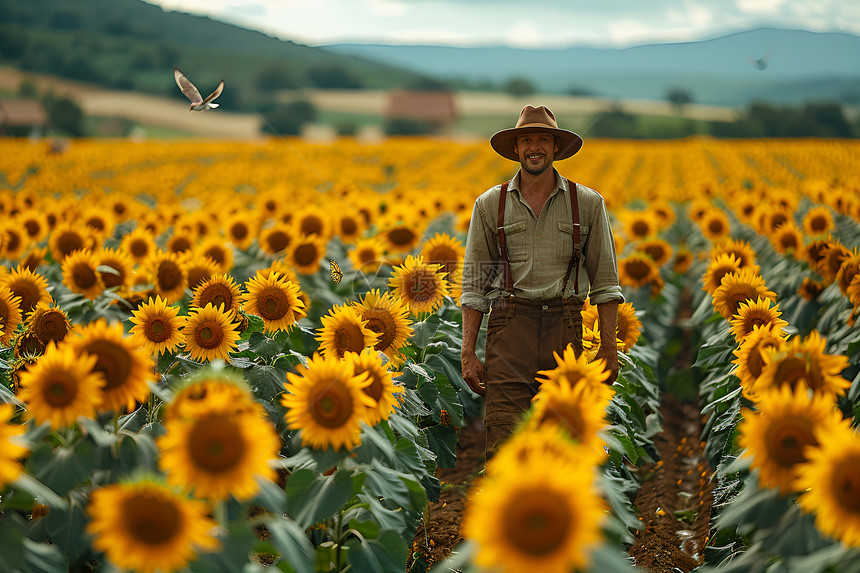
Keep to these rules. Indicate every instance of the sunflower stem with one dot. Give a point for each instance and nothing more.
(338, 540)
(219, 510)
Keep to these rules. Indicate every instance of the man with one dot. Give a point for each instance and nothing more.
(531, 264)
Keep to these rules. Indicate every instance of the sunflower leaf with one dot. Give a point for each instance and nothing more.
(385, 554)
(312, 498)
(290, 540)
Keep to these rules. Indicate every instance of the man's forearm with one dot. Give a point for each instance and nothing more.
(471, 325)
(607, 317)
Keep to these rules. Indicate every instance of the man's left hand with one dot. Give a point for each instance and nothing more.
(610, 355)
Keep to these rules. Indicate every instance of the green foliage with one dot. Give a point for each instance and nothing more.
(288, 118)
(407, 126)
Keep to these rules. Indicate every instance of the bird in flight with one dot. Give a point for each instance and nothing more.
(761, 63)
(197, 101)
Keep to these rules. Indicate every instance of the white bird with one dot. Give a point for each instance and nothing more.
(197, 101)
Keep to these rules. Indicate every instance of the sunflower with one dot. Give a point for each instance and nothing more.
(751, 314)
(220, 290)
(442, 249)
(276, 240)
(548, 439)
(788, 239)
(34, 258)
(80, 274)
(10, 313)
(720, 265)
(810, 289)
(698, 208)
(589, 315)
(139, 244)
(198, 268)
(715, 225)
(749, 356)
(659, 250)
(11, 451)
(637, 270)
(240, 230)
(180, 242)
(741, 249)
(576, 371)
(167, 275)
(126, 367)
(14, 241)
(737, 287)
(27, 345)
(779, 434)
(388, 318)
(217, 450)
(637, 224)
(849, 269)
(30, 287)
(215, 249)
(829, 480)
(803, 362)
(326, 402)
(98, 221)
(310, 221)
(274, 299)
(67, 238)
(542, 515)
(814, 253)
(818, 221)
(34, 224)
(574, 407)
(400, 237)
(157, 326)
(832, 257)
(49, 323)
(61, 386)
(120, 262)
(210, 333)
(628, 326)
(349, 226)
(305, 254)
(381, 388)
(145, 526)
(192, 396)
(344, 331)
(420, 285)
(367, 255)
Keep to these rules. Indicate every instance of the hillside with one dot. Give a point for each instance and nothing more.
(802, 66)
(133, 45)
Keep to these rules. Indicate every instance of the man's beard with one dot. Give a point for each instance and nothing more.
(535, 172)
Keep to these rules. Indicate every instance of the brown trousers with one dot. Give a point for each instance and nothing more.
(521, 338)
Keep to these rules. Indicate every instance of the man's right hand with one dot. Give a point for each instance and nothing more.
(473, 372)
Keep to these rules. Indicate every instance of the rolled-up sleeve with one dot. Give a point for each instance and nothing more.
(481, 262)
(601, 263)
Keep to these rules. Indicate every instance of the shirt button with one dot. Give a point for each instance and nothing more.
(545, 307)
(538, 258)
(539, 235)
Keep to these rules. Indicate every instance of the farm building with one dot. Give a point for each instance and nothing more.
(22, 117)
(435, 108)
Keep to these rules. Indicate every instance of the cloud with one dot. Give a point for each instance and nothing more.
(525, 35)
(247, 9)
(759, 7)
(386, 8)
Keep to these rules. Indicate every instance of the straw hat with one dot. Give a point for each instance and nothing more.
(535, 119)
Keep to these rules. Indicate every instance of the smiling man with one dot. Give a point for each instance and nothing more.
(538, 246)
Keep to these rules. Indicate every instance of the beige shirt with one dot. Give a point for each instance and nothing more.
(540, 248)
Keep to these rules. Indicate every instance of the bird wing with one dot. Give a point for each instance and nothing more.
(187, 87)
(214, 94)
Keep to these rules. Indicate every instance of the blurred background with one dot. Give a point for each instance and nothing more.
(371, 68)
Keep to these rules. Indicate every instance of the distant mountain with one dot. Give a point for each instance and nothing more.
(801, 66)
(133, 45)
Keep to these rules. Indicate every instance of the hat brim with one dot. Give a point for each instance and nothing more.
(503, 141)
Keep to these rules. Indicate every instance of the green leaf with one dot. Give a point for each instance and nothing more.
(236, 545)
(292, 543)
(424, 332)
(42, 556)
(312, 498)
(64, 468)
(443, 443)
(267, 382)
(66, 527)
(386, 554)
(41, 493)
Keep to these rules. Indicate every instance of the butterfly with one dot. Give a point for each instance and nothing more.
(336, 273)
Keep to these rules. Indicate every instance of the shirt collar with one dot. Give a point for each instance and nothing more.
(560, 183)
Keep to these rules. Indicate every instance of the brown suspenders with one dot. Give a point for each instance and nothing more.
(507, 279)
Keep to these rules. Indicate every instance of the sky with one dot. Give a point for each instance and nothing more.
(549, 23)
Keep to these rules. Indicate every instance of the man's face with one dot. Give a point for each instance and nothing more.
(536, 151)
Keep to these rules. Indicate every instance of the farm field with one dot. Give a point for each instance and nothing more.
(233, 355)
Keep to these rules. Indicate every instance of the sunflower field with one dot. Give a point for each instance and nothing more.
(224, 356)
